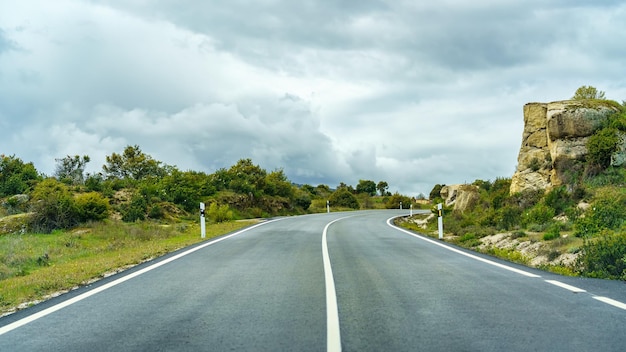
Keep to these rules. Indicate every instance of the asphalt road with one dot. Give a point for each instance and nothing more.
(268, 289)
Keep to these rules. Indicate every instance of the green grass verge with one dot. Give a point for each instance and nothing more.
(34, 266)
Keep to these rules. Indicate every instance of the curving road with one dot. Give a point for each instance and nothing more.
(327, 282)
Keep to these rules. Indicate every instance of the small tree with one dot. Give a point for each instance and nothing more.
(382, 187)
(588, 92)
(366, 186)
(132, 164)
(16, 177)
(71, 169)
(342, 197)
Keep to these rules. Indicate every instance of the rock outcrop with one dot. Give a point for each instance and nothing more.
(463, 197)
(554, 134)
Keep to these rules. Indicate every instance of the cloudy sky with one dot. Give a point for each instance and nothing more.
(410, 92)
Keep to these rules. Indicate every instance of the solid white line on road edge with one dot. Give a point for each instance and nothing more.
(574, 289)
(610, 301)
(438, 243)
(69, 302)
(333, 334)
(565, 286)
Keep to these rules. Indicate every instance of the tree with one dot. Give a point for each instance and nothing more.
(277, 184)
(382, 187)
(71, 170)
(436, 192)
(342, 197)
(132, 164)
(588, 92)
(16, 177)
(366, 186)
(246, 178)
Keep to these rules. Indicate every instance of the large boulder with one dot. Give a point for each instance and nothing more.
(554, 133)
(462, 197)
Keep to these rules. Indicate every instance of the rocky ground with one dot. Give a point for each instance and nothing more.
(537, 253)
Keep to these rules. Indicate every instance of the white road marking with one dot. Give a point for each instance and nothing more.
(69, 302)
(440, 244)
(610, 301)
(333, 335)
(566, 286)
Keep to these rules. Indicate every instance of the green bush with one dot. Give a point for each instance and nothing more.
(553, 232)
(92, 206)
(558, 199)
(219, 213)
(608, 211)
(343, 198)
(604, 257)
(53, 207)
(394, 201)
(539, 214)
(601, 145)
(508, 217)
(135, 210)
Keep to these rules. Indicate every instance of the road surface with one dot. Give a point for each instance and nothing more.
(327, 282)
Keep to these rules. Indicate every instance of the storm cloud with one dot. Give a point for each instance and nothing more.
(407, 92)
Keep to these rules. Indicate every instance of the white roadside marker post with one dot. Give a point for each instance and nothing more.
(440, 220)
(400, 205)
(411, 212)
(202, 224)
(328, 206)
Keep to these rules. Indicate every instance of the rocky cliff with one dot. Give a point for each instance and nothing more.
(554, 134)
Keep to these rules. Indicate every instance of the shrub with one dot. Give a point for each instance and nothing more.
(92, 206)
(608, 212)
(394, 201)
(219, 213)
(553, 232)
(343, 198)
(53, 207)
(508, 217)
(604, 257)
(600, 147)
(134, 210)
(558, 199)
(539, 214)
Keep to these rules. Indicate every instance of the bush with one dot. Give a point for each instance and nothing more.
(343, 198)
(53, 207)
(553, 232)
(558, 199)
(219, 213)
(601, 146)
(604, 257)
(134, 210)
(608, 211)
(539, 214)
(394, 201)
(508, 217)
(92, 206)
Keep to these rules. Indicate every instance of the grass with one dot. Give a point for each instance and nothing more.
(34, 266)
